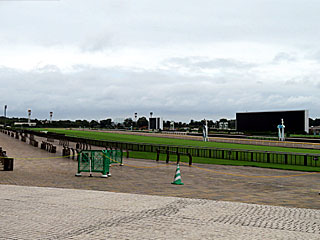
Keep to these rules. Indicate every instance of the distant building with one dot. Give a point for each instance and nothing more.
(223, 125)
(295, 121)
(155, 123)
(25, 124)
(315, 130)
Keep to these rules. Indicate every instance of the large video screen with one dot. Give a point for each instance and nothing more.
(294, 121)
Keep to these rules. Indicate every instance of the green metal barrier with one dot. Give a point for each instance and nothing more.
(93, 161)
(114, 156)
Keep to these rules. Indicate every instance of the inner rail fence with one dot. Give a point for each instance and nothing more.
(289, 158)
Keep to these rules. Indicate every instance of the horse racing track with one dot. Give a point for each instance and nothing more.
(254, 203)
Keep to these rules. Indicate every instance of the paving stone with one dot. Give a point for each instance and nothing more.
(54, 213)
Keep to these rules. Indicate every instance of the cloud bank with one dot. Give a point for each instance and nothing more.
(179, 59)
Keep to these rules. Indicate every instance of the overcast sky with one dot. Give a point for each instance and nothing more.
(181, 59)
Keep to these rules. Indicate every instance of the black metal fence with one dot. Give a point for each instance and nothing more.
(203, 152)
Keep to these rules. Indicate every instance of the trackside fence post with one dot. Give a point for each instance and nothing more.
(190, 159)
(168, 156)
(305, 160)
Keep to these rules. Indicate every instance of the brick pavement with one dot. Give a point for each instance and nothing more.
(55, 213)
(51, 170)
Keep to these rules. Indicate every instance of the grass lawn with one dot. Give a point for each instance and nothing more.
(305, 136)
(173, 158)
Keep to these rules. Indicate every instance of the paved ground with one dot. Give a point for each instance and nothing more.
(65, 207)
(53, 213)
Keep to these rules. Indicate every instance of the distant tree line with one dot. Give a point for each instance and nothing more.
(128, 123)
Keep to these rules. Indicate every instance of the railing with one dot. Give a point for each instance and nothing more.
(173, 153)
(5, 161)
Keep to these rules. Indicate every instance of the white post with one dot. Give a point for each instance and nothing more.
(205, 132)
(207, 137)
(282, 123)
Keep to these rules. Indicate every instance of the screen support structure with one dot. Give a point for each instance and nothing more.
(205, 131)
(281, 131)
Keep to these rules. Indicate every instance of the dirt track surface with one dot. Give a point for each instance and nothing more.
(36, 167)
(287, 144)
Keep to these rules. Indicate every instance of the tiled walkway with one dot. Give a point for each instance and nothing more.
(55, 213)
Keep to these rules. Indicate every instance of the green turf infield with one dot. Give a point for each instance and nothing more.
(173, 158)
(170, 141)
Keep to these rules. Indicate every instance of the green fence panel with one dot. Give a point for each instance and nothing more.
(93, 161)
(114, 156)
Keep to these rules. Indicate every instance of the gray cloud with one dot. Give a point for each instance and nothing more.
(196, 62)
(97, 93)
(284, 57)
(142, 23)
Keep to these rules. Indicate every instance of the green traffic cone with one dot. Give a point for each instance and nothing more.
(177, 177)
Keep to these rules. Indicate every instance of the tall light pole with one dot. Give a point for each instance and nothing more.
(5, 115)
(51, 114)
(29, 115)
(149, 125)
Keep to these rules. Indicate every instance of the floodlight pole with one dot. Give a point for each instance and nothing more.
(51, 114)
(149, 125)
(5, 115)
(135, 119)
(29, 115)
